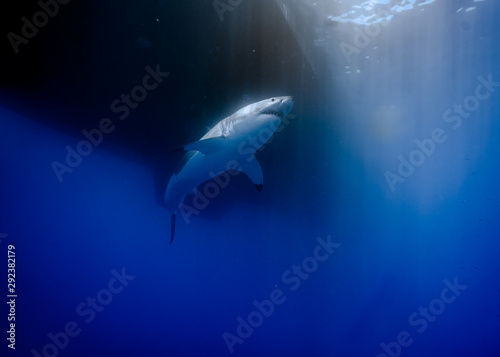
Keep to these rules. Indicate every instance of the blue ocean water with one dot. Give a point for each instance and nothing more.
(377, 230)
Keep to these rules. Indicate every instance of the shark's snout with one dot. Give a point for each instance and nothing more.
(285, 100)
(286, 104)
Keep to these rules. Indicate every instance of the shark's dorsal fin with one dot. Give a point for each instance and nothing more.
(253, 170)
(207, 146)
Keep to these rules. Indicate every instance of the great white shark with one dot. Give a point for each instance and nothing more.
(229, 145)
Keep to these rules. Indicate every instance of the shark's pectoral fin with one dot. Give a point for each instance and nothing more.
(207, 146)
(253, 170)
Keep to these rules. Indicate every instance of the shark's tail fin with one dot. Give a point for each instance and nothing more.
(172, 227)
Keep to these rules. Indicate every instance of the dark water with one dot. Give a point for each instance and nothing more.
(377, 230)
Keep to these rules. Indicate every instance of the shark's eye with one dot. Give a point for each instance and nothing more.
(272, 99)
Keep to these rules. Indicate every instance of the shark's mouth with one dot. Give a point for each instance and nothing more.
(275, 113)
